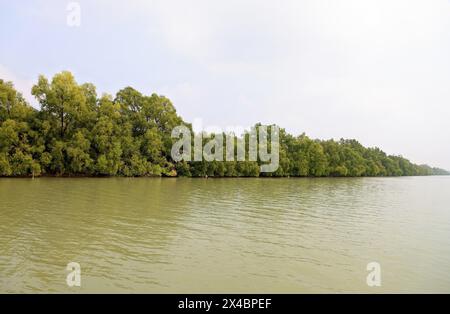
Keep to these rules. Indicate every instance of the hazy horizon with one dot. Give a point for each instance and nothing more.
(376, 71)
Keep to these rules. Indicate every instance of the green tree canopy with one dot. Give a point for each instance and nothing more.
(76, 132)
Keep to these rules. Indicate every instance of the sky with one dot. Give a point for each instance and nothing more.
(374, 70)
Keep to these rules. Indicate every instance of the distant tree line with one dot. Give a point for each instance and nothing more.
(78, 133)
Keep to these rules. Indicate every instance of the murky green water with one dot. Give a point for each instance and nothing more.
(225, 235)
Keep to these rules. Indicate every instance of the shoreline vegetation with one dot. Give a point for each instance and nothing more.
(76, 133)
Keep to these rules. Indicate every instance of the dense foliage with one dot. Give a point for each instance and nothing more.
(78, 133)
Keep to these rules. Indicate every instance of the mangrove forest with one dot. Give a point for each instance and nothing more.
(78, 133)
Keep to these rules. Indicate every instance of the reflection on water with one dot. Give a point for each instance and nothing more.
(225, 235)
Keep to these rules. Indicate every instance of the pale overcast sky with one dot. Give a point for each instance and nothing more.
(377, 71)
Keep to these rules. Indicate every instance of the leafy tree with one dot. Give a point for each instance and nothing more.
(77, 133)
(63, 100)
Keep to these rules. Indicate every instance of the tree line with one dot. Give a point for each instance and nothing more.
(77, 133)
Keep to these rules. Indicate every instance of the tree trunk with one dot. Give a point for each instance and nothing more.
(62, 123)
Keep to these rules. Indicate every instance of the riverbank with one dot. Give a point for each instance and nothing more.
(208, 177)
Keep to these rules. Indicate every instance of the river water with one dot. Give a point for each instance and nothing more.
(225, 235)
